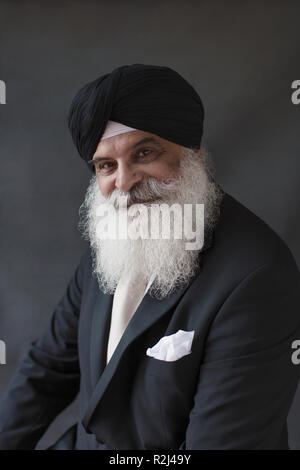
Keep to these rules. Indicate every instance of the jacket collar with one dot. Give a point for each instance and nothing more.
(148, 312)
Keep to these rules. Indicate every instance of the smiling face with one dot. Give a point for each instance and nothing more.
(138, 167)
(119, 177)
(125, 159)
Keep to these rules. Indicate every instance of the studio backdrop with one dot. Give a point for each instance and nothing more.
(241, 57)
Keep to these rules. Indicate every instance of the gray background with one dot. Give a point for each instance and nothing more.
(240, 56)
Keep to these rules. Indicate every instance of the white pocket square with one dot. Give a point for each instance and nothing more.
(172, 347)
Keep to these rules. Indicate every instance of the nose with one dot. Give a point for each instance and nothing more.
(126, 177)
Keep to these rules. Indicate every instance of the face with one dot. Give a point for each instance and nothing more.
(125, 159)
(167, 259)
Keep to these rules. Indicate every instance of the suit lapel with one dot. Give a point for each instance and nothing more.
(99, 334)
(148, 312)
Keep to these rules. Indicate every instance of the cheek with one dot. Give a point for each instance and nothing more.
(166, 170)
(105, 185)
(160, 170)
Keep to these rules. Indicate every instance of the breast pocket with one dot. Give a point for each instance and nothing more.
(171, 370)
(171, 388)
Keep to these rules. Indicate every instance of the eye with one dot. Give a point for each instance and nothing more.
(104, 167)
(145, 150)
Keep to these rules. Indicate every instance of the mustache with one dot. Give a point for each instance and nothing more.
(143, 192)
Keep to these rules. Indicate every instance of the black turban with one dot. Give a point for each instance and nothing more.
(150, 98)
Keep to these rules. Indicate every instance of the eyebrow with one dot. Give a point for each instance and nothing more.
(140, 142)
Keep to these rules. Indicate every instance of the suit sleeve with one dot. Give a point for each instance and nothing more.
(48, 376)
(247, 380)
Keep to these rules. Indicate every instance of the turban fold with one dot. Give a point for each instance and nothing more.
(115, 128)
(150, 98)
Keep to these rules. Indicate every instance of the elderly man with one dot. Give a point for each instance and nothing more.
(168, 347)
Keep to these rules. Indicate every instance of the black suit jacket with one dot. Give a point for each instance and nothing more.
(233, 391)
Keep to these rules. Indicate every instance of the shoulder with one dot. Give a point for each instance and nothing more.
(256, 281)
(84, 270)
(243, 236)
(86, 259)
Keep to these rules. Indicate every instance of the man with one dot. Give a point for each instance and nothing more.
(168, 348)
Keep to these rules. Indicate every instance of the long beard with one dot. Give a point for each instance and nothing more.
(166, 260)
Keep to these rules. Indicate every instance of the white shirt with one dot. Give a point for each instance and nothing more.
(127, 297)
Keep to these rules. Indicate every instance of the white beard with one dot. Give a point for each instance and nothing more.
(168, 259)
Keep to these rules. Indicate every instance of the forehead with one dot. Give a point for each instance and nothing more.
(126, 142)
